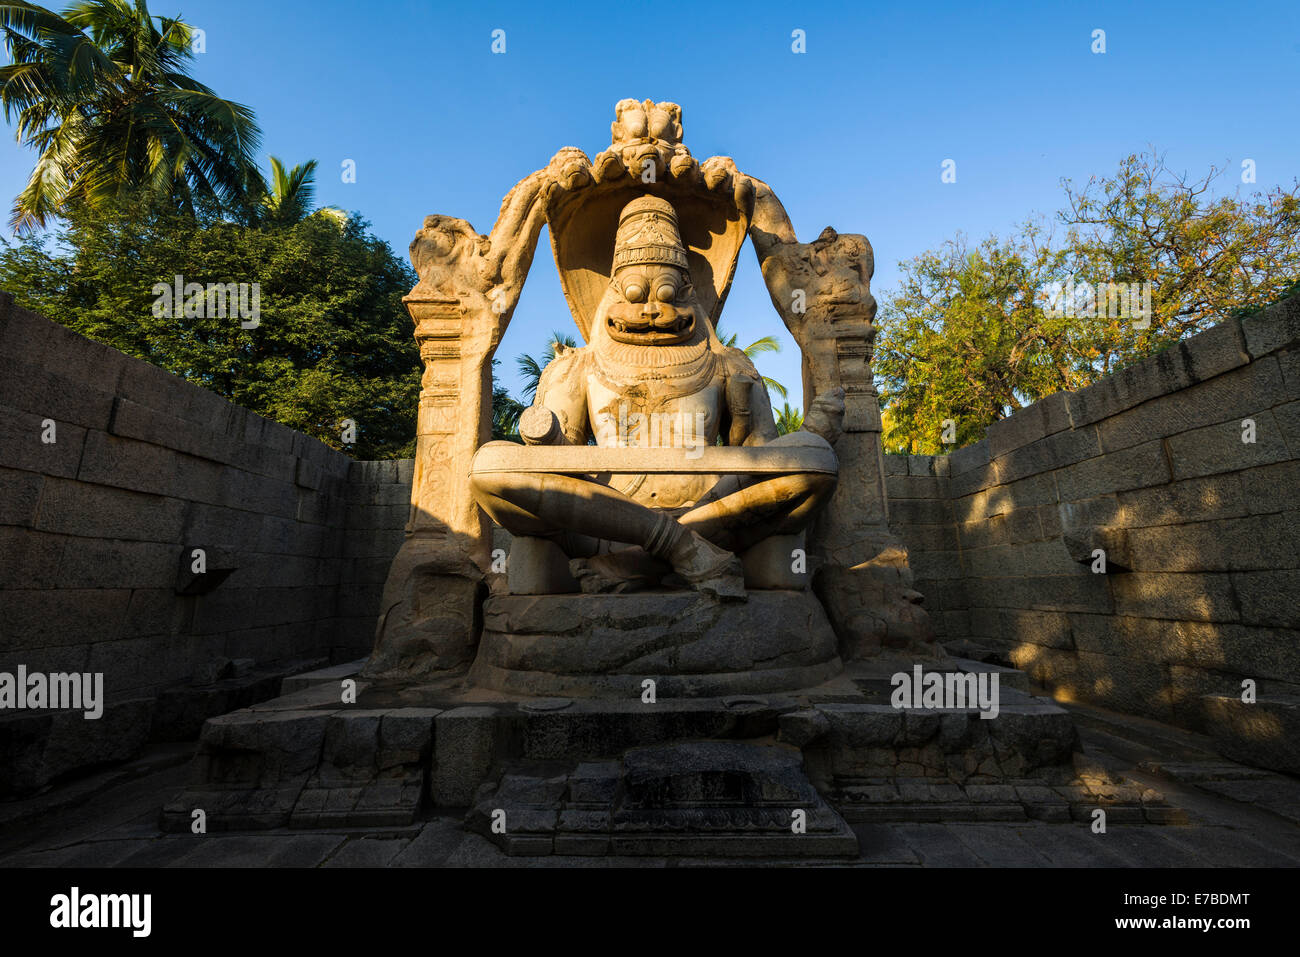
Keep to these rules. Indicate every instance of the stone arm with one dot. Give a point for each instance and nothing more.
(485, 274)
(510, 246)
(787, 264)
(749, 418)
(558, 415)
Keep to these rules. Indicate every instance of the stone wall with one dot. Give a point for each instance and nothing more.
(1200, 529)
(379, 503)
(97, 528)
(97, 531)
(1202, 587)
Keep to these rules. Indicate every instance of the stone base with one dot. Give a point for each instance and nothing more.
(690, 644)
(629, 776)
(308, 768)
(695, 799)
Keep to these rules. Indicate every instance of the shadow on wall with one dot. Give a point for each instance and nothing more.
(1135, 544)
(112, 474)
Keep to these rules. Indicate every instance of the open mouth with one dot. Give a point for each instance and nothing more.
(659, 330)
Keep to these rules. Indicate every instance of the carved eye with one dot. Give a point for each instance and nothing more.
(666, 292)
(634, 292)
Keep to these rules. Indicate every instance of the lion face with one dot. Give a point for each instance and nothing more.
(651, 304)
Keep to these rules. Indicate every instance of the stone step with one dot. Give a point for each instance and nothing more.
(1007, 677)
(916, 800)
(331, 675)
(691, 799)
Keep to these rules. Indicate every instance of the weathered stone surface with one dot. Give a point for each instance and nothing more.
(464, 748)
(145, 466)
(1274, 328)
(1043, 418)
(250, 769)
(709, 798)
(1216, 350)
(688, 644)
(1221, 447)
(1157, 375)
(1264, 733)
(1139, 467)
(972, 456)
(38, 746)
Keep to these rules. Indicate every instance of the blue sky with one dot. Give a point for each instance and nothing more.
(851, 133)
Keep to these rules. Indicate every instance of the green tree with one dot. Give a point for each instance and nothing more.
(788, 419)
(972, 334)
(531, 367)
(752, 351)
(103, 95)
(290, 194)
(331, 339)
(506, 410)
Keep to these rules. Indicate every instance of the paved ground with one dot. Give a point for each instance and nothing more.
(1239, 817)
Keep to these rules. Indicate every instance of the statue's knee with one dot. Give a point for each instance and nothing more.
(489, 484)
(821, 485)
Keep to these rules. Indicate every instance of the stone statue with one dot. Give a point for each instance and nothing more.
(655, 375)
(651, 464)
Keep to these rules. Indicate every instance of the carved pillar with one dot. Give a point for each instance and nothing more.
(822, 291)
(468, 289)
(429, 620)
(862, 573)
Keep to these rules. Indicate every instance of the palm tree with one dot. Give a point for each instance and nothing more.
(531, 368)
(289, 197)
(103, 96)
(506, 410)
(788, 420)
(756, 348)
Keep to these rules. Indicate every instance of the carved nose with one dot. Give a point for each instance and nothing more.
(649, 309)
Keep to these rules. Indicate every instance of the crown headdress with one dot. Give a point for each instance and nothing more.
(648, 233)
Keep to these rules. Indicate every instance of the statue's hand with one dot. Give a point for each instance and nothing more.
(538, 425)
(826, 415)
(739, 387)
(739, 396)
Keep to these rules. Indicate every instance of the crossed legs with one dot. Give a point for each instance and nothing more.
(700, 545)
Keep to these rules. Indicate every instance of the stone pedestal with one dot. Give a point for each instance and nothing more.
(777, 562)
(537, 566)
(714, 798)
(689, 644)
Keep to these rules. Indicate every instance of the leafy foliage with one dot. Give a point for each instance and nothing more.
(288, 197)
(530, 367)
(506, 410)
(788, 419)
(103, 96)
(333, 340)
(969, 336)
(755, 349)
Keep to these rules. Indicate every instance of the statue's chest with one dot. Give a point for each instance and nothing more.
(641, 416)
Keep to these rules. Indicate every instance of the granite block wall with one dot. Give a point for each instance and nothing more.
(1184, 471)
(112, 472)
(1201, 533)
